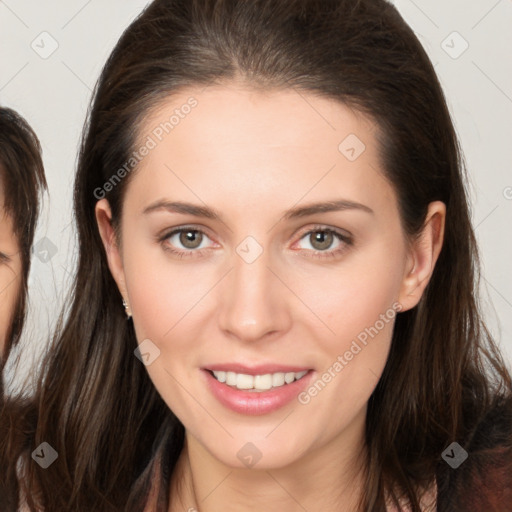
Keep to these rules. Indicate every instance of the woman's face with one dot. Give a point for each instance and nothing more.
(10, 272)
(262, 279)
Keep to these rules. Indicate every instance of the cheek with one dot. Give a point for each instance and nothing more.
(167, 299)
(162, 295)
(358, 304)
(356, 351)
(352, 296)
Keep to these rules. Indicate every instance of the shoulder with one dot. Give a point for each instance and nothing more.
(483, 482)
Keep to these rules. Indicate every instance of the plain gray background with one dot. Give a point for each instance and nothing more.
(51, 54)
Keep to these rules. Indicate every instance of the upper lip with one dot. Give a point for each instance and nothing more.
(260, 369)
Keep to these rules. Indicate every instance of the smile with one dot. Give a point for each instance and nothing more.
(260, 393)
(257, 382)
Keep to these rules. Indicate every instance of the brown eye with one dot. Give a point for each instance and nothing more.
(189, 238)
(184, 242)
(321, 240)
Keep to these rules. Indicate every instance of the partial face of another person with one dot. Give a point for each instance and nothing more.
(242, 277)
(10, 273)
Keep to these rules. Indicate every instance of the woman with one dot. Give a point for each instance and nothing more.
(21, 181)
(250, 371)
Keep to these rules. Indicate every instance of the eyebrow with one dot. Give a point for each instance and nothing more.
(293, 213)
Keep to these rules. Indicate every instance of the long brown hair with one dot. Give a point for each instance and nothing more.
(96, 405)
(23, 181)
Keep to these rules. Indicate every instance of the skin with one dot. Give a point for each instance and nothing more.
(253, 155)
(10, 272)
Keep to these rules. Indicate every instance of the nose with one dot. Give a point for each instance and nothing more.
(254, 300)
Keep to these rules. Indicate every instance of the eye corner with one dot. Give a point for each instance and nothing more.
(4, 258)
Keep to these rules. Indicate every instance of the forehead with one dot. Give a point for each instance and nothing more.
(254, 146)
(222, 110)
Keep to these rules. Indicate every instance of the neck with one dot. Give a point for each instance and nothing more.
(328, 478)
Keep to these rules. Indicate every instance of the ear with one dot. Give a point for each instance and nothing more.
(422, 256)
(115, 263)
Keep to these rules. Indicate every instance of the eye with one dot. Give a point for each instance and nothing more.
(4, 258)
(188, 237)
(322, 238)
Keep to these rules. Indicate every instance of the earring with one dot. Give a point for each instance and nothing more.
(126, 309)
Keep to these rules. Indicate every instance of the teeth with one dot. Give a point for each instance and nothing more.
(258, 382)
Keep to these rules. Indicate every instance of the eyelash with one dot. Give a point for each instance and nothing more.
(347, 241)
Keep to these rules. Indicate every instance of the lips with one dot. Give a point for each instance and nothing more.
(253, 401)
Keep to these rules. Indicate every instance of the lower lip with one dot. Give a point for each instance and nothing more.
(256, 402)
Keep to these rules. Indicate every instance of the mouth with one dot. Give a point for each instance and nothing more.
(259, 391)
(258, 382)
